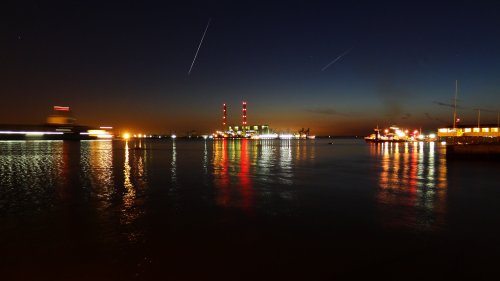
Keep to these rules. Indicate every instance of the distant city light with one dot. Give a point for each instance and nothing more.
(173, 136)
(126, 136)
(268, 136)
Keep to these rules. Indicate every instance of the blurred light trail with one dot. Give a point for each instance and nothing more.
(199, 46)
(336, 59)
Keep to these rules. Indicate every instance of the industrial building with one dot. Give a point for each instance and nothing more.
(241, 131)
(253, 131)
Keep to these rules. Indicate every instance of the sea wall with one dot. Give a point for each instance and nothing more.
(473, 151)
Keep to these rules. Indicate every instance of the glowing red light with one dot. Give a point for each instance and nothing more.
(61, 108)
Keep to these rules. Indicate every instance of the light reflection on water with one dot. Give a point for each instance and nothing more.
(413, 185)
(266, 175)
(129, 196)
(96, 163)
(135, 184)
(118, 209)
(26, 170)
(251, 172)
(173, 164)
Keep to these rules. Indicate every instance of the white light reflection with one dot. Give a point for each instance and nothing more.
(128, 215)
(173, 163)
(285, 160)
(414, 181)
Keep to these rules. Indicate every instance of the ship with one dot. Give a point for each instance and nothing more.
(60, 125)
(396, 134)
(392, 134)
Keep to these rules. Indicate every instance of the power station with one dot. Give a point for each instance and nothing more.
(240, 131)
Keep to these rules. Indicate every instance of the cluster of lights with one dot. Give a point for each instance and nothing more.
(100, 134)
(220, 134)
(265, 136)
(127, 136)
(404, 135)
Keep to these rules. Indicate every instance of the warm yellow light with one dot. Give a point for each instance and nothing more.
(126, 136)
(102, 134)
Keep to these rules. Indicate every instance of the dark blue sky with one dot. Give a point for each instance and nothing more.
(126, 63)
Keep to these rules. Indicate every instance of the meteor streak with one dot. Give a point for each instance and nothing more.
(336, 59)
(199, 46)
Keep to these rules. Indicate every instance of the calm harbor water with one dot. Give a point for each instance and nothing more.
(244, 210)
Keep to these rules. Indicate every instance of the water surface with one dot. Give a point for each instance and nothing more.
(244, 210)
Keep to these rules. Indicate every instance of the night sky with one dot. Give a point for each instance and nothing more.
(126, 64)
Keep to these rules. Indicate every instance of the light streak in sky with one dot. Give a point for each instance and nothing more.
(199, 46)
(336, 59)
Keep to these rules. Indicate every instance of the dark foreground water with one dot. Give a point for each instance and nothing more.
(245, 210)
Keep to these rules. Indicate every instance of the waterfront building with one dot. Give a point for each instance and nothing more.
(470, 134)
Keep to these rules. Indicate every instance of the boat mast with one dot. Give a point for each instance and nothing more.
(455, 106)
(478, 117)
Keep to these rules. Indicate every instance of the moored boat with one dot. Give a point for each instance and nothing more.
(395, 134)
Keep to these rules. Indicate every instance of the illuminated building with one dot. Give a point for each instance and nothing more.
(248, 130)
(224, 117)
(464, 134)
(469, 134)
(240, 131)
(244, 114)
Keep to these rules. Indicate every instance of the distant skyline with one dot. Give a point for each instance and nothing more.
(339, 68)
